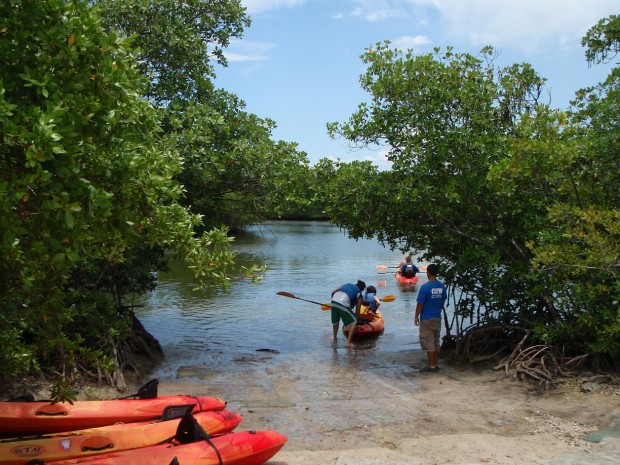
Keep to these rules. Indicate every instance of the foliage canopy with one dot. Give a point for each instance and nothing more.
(90, 170)
(517, 201)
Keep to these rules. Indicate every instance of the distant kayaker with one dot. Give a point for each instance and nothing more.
(407, 268)
(346, 303)
(370, 304)
(430, 301)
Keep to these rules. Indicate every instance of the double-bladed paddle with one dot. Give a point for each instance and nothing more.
(293, 296)
(385, 267)
(387, 298)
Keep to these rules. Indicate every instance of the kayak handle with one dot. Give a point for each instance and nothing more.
(94, 449)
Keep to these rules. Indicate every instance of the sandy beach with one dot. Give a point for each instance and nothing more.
(365, 407)
(360, 407)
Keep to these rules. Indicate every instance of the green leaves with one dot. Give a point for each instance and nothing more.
(87, 184)
(516, 200)
(177, 41)
(601, 41)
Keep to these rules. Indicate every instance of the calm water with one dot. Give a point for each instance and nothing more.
(308, 259)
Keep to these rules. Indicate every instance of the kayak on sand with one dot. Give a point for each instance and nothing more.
(242, 448)
(40, 417)
(106, 439)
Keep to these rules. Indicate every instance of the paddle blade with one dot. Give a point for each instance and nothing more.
(326, 307)
(287, 294)
(388, 298)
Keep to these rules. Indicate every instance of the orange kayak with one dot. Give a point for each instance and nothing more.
(367, 329)
(243, 448)
(404, 280)
(106, 439)
(41, 417)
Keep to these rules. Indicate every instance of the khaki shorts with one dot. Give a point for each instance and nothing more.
(429, 334)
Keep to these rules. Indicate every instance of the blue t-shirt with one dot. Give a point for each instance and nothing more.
(432, 295)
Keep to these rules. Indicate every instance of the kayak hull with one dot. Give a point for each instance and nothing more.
(18, 418)
(107, 439)
(243, 448)
(404, 280)
(368, 329)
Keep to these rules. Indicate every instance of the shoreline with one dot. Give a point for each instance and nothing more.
(460, 415)
(374, 408)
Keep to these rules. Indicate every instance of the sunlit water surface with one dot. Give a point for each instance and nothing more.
(308, 259)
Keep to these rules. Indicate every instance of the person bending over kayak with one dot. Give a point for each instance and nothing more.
(346, 303)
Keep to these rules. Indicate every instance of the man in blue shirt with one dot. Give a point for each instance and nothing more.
(430, 301)
(346, 303)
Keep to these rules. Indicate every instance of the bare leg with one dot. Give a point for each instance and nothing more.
(432, 358)
(351, 331)
(335, 327)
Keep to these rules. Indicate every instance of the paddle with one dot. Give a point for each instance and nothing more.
(293, 296)
(385, 267)
(387, 298)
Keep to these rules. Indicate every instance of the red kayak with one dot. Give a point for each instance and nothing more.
(404, 280)
(243, 448)
(367, 329)
(18, 418)
(107, 439)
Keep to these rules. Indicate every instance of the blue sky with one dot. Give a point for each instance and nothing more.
(298, 63)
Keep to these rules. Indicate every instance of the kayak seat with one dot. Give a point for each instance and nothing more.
(190, 431)
(172, 412)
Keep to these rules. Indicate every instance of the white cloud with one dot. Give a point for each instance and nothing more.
(377, 10)
(410, 42)
(261, 6)
(243, 51)
(376, 14)
(237, 57)
(525, 25)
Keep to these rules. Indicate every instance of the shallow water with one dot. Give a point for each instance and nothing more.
(308, 259)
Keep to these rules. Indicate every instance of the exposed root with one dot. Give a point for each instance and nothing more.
(539, 363)
(482, 343)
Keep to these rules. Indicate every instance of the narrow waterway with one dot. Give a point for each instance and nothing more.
(308, 259)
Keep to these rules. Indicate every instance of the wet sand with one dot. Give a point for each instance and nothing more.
(368, 408)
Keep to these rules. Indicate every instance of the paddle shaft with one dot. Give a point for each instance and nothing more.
(311, 301)
(293, 296)
(393, 272)
(385, 267)
(387, 298)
